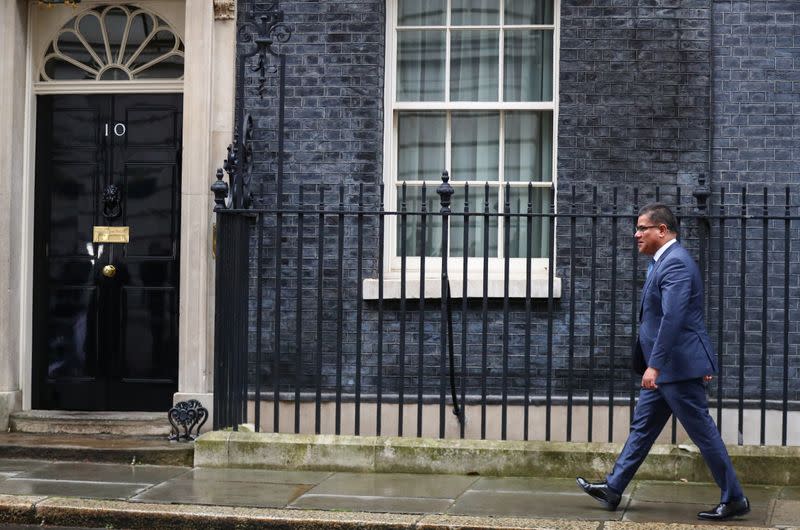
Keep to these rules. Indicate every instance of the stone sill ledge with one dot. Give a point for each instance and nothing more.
(433, 287)
(773, 465)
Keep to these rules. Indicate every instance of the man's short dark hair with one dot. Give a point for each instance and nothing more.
(658, 214)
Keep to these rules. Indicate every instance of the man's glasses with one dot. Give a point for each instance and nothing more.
(645, 228)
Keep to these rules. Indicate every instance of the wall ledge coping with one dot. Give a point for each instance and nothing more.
(774, 465)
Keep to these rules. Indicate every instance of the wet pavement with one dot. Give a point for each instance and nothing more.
(298, 492)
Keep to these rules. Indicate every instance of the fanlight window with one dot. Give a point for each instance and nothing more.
(113, 43)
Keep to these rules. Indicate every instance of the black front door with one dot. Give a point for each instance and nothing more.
(105, 317)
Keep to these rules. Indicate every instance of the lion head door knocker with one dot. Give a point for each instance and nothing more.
(112, 201)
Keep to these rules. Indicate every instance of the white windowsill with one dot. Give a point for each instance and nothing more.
(433, 287)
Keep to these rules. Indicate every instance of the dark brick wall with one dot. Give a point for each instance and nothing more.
(634, 91)
(333, 137)
(757, 93)
(334, 98)
(757, 145)
(635, 87)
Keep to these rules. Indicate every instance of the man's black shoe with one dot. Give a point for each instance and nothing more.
(600, 491)
(726, 510)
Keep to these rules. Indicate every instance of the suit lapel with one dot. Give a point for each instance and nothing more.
(649, 279)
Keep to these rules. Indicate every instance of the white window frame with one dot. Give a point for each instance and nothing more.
(517, 266)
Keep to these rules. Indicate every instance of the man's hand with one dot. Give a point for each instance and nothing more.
(708, 378)
(649, 379)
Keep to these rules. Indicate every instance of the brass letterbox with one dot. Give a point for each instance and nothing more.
(110, 234)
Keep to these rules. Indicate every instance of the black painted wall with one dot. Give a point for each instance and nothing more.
(639, 109)
(756, 57)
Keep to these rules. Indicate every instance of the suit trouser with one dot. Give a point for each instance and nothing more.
(687, 400)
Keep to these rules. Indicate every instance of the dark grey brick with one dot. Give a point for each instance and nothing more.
(636, 82)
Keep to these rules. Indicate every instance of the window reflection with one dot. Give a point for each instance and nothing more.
(420, 148)
(69, 342)
(492, 128)
(475, 144)
(528, 146)
(418, 199)
(421, 12)
(475, 12)
(481, 231)
(474, 65)
(420, 65)
(528, 66)
(540, 199)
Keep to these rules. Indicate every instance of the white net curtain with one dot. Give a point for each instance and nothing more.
(474, 94)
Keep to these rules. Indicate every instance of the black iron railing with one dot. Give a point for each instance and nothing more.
(528, 338)
(337, 314)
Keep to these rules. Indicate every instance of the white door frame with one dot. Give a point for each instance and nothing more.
(208, 100)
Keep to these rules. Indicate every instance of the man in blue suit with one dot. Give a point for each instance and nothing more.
(674, 356)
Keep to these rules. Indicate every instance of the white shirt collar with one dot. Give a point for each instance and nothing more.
(664, 248)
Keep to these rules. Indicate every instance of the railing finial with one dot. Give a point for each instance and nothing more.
(701, 193)
(445, 191)
(220, 190)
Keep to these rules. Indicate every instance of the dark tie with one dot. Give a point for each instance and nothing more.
(650, 267)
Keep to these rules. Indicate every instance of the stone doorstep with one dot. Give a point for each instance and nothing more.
(108, 437)
(70, 422)
(101, 513)
(767, 465)
(96, 448)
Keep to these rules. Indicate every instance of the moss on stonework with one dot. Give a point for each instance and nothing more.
(754, 465)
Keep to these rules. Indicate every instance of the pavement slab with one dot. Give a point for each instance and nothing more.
(385, 492)
(791, 493)
(11, 465)
(394, 485)
(147, 497)
(525, 484)
(680, 512)
(786, 513)
(119, 473)
(394, 504)
(85, 490)
(251, 494)
(258, 475)
(694, 493)
(532, 505)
